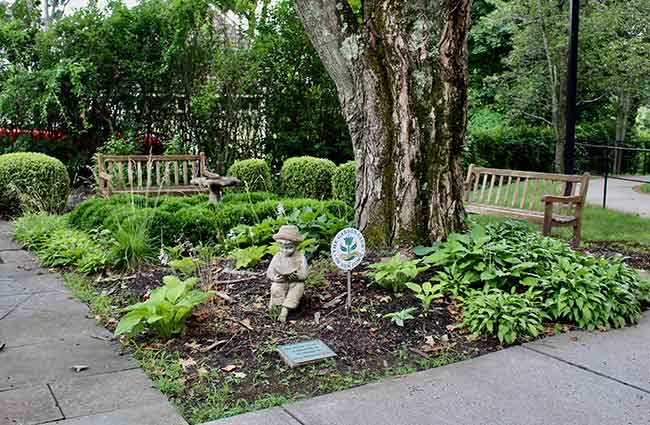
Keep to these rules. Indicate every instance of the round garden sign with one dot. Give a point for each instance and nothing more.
(348, 249)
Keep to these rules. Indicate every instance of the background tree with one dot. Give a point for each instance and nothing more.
(401, 73)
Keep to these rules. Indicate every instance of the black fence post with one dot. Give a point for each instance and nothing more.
(605, 174)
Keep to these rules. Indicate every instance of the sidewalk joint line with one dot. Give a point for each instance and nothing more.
(291, 415)
(56, 402)
(586, 369)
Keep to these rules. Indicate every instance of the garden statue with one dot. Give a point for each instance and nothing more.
(288, 271)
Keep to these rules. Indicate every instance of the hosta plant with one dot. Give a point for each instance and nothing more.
(508, 316)
(399, 317)
(166, 309)
(248, 257)
(185, 266)
(396, 273)
(426, 293)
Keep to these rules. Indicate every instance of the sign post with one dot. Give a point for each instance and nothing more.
(348, 249)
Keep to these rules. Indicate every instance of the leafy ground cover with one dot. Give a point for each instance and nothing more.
(195, 315)
(644, 188)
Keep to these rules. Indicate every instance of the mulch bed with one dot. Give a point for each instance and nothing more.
(637, 257)
(234, 334)
(233, 337)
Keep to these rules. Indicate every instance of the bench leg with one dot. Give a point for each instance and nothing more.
(548, 220)
(577, 229)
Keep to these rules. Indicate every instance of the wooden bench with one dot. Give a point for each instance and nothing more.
(151, 174)
(545, 198)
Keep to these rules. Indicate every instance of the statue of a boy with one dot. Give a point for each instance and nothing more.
(288, 271)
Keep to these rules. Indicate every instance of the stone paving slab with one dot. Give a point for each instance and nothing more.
(21, 257)
(514, 386)
(6, 243)
(18, 283)
(273, 416)
(51, 361)
(58, 301)
(25, 406)
(105, 393)
(623, 354)
(30, 326)
(153, 414)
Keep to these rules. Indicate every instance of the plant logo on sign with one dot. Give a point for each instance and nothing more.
(348, 249)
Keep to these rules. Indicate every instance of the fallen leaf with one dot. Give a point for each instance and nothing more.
(471, 338)
(229, 368)
(573, 338)
(79, 368)
(186, 363)
(246, 323)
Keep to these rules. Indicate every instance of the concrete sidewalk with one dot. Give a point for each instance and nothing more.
(46, 332)
(620, 195)
(576, 378)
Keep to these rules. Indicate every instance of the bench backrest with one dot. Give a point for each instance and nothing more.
(151, 172)
(520, 189)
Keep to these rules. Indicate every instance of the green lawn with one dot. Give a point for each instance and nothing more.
(601, 225)
(645, 188)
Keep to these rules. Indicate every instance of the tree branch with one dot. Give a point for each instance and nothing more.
(333, 31)
(537, 117)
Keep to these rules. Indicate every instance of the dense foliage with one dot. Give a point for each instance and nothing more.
(175, 220)
(32, 182)
(169, 70)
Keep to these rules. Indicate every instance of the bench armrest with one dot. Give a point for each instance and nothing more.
(555, 199)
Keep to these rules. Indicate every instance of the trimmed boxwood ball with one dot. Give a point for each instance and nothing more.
(38, 181)
(255, 175)
(343, 183)
(307, 177)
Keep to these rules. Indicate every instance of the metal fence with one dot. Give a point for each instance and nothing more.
(610, 154)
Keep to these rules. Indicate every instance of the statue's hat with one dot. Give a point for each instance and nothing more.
(288, 232)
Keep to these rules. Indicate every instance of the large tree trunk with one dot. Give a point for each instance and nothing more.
(401, 77)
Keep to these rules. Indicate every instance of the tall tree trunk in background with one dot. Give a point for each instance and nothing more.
(557, 88)
(401, 77)
(623, 107)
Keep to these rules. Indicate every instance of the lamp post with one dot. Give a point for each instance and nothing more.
(572, 83)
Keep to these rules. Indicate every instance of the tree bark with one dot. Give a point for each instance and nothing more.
(623, 107)
(401, 77)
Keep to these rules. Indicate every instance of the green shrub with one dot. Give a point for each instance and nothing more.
(176, 220)
(32, 231)
(255, 174)
(165, 310)
(508, 316)
(344, 183)
(308, 177)
(33, 182)
(247, 197)
(396, 273)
